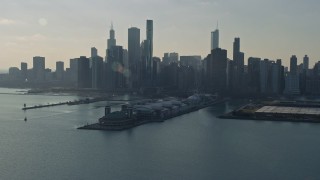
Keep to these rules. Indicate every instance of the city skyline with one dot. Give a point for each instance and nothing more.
(33, 29)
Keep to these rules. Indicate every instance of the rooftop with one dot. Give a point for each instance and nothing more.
(289, 110)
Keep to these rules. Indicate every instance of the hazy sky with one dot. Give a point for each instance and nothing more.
(64, 29)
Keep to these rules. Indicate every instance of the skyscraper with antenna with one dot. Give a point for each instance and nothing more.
(111, 40)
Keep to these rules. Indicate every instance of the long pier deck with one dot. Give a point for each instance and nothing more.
(97, 126)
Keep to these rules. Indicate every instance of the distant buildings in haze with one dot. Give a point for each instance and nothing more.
(136, 70)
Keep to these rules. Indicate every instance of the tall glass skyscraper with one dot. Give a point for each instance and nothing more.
(148, 54)
(150, 36)
(215, 39)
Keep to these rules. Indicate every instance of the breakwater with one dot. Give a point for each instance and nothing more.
(78, 102)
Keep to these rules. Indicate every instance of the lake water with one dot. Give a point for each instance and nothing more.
(193, 146)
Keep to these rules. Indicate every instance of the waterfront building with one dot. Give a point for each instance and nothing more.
(134, 57)
(24, 71)
(39, 69)
(49, 75)
(73, 72)
(59, 70)
(84, 75)
(14, 73)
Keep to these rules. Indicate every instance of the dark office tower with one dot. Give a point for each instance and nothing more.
(39, 69)
(148, 54)
(236, 47)
(97, 72)
(279, 62)
(254, 75)
(306, 62)
(115, 69)
(59, 70)
(111, 40)
(94, 52)
(73, 72)
(84, 75)
(282, 80)
(293, 65)
(24, 71)
(166, 59)
(156, 70)
(215, 39)
(238, 58)
(150, 36)
(216, 71)
(134, 56)
(194, 67)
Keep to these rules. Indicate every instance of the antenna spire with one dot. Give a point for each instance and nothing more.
(111, 25)
(217, 24)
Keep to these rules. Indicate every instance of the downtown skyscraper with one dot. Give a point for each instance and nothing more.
(147, 54)
(237, 65)
(134, 56)
(215, 39)
(112, 40)
(39, 69)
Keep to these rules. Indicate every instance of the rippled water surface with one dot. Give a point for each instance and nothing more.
(193, 146)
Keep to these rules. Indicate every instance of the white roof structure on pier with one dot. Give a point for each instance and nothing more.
(289, 110)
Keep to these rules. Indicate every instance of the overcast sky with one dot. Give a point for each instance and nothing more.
(64, 29)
